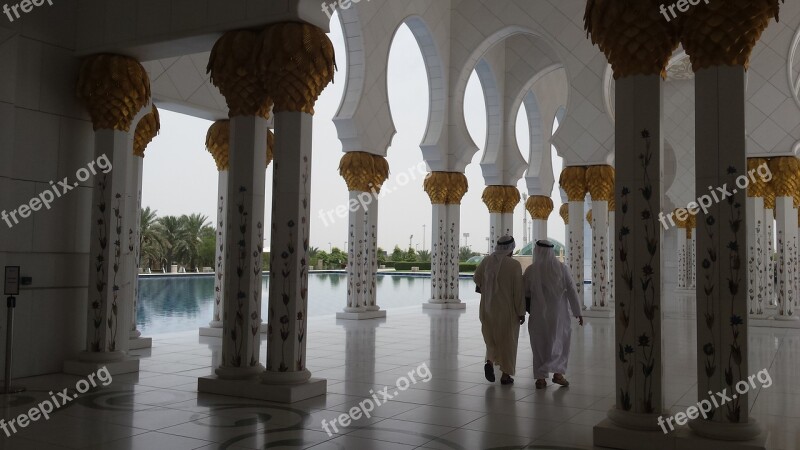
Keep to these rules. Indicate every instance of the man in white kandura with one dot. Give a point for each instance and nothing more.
(553, 297)
(502, 309)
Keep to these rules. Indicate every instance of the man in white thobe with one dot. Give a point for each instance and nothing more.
(502, 308)
(553, 297)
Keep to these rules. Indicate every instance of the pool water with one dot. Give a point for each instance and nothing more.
(182, 303)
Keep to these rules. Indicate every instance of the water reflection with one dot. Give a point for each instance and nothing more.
(182, 303)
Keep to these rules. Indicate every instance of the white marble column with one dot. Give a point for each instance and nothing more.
(563, 211)
(446, 190)
(147, 128)
(439, 255)
(639, 273)
(108, 319)
(600, 183)
(691, 261)
(755, 257)
(539, 230)
(600, 299)
(575, 244)
(573, 181)
(244, 240)
(364, 173)
(372, 276)
(682, 247)
(453, 247)
(288, 288)
(771, 302)
(612, 238)
(723, 283)
(786, 228)
(214, 328)
(111, 257)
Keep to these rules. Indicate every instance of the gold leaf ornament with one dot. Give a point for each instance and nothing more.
(724, 33)
(296, 61)
(785, 175)
(363, 172)
(573, 181)
(564, 212)
(539, 207)
(234, 71)
(501, 199)
(217, 143)
(600, 182)
(446, 188)
(146, 130)
(634, 36)
(113, 88)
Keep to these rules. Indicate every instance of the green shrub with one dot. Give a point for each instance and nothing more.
(463, 267)
(406, 266)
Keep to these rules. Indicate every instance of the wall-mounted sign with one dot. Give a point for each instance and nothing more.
(11, 281)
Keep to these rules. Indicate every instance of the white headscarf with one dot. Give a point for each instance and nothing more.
(548, 270)
(504, 248)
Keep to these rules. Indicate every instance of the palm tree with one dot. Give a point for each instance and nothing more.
(190, 237)
(171, 233)
(424, 256)
(151, 239)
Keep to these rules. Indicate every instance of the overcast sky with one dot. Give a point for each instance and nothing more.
(180, 176)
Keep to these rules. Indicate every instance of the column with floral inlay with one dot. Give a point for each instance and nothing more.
(573, 181)
(600, 183)
(719, 38)
(618, 28)
(756, 266)
(445, 190)
(297, 61)
(146, 130)
(501, 201)
(364, 173)
(539, 207)
(115, 90)
(786, 182)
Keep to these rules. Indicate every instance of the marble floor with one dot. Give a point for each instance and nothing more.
(159, 408)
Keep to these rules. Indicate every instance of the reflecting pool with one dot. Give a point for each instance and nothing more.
(181, 303)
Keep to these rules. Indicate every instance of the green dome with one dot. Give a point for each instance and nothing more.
(528, 249)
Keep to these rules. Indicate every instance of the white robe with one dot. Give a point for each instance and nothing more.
(502, 304)
(550, 322)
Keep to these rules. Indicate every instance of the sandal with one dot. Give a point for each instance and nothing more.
(488, 371)
(559, 379)
(506, 380)
(541, 384)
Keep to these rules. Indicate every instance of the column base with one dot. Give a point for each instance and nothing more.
(599, 312)
(772, 322)
(786, 318)
(686, 291)
(253, 388)
(263, 328)
(116, 363)
(135, 334)
(211, 332)
(361, 315)
(609, 434)
(457, 304)
(238, 373)
(717, 435)
(139, 343)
